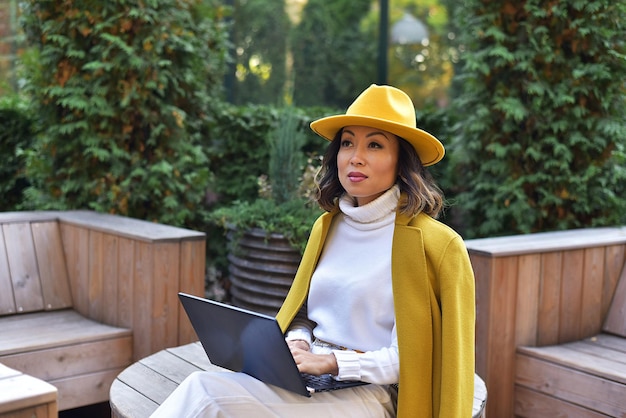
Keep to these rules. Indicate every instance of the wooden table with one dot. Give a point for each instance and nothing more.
(24, 396)
(141, 388)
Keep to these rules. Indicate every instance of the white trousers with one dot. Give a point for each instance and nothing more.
(228, 394)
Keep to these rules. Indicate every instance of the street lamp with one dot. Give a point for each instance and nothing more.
(408, 30)
(383, 40)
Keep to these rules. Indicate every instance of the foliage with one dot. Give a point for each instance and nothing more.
(259, 37)
(437, 121)
(123, 90)
(16, 137)
(334, 59)
(542, 138)
(423, 70)
(280, 207)
(293, 219)
(285, 144)
(238, 151)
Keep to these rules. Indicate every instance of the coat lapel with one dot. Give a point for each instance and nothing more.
(300, 287)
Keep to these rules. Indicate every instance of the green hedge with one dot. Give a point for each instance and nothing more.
(16, 137)
(123, 90)
(542, 130)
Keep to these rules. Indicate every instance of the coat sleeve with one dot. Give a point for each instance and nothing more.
(457, 304)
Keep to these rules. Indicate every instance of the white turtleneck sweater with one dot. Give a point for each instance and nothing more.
(351, 298)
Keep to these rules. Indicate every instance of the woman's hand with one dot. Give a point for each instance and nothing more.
(301, 344)
(316, 364)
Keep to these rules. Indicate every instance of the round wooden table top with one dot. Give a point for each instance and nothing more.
(143, 386)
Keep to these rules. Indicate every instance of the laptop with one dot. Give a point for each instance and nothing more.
(250, 342)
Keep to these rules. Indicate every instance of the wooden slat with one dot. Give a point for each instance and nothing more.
(72, 360)
(95, 281)
(125, 279)
(129, 403)
(614, 263)
(165, 302)
(110, 280)
(529, 278)
(194, 353)
(616, 319)
(7, 301)
(571, 296)
(531, 404)
(582, 356)
(192, 271)
(148, 382)
(128, 227)
(609, 351)
(596, 393)
(143, 275)
(51, 262)
(592, 286)
(87, 389)
(550, 298)
(76, 247)
(38, 411)
(544, 242)
(170, 366)
(22, 392)
(50, 329)
(28, 216)
(23, 267)
(610, 341)
(502, 334)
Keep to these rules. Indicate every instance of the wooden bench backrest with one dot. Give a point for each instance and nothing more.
(33, 274)
(615, 322)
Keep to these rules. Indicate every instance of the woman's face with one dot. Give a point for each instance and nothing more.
(367, 162)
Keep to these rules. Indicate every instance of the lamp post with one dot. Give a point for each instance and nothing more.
(383, 41)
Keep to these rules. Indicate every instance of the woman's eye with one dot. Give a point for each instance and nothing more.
(375, 145)
(345, 143)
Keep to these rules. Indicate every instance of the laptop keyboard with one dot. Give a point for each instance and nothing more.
(326, 382)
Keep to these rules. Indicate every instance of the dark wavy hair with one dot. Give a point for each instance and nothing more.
(421, 193)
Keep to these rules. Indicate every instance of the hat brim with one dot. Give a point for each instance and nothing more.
(428, 148)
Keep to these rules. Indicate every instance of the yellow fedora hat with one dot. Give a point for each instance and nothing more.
(389, 109)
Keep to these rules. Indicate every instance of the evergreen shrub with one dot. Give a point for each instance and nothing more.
(16, 138)
(123, 90)
(542, 132)
(238, 148)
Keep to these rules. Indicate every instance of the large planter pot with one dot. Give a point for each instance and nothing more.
(262, 267)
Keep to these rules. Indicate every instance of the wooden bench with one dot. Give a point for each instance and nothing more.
(83, 295)
(538, 297)
(23, 396)
(585, 378)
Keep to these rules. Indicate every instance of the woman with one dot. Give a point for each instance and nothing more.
(384, 292)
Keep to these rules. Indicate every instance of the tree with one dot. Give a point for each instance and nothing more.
(260, 32)
(542, 131)
(334, 58)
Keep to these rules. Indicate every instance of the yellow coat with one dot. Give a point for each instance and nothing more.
(433, 287)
